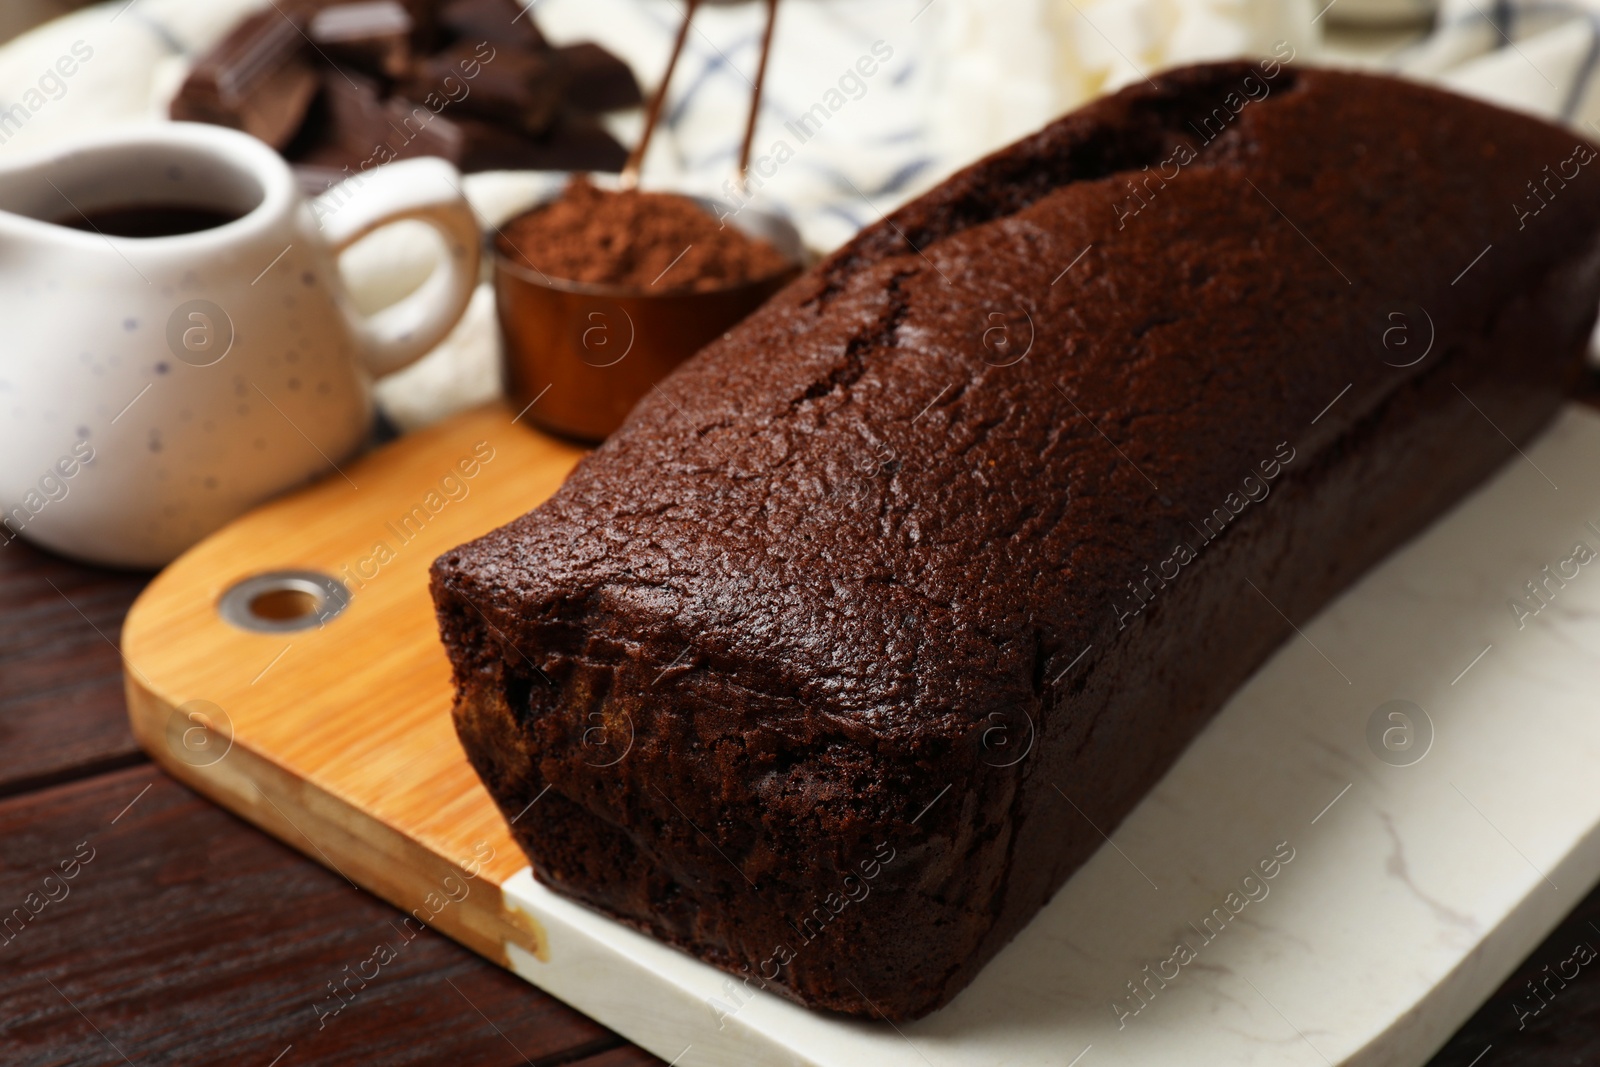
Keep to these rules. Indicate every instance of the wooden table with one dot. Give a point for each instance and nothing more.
(181, 935)
(184, 935)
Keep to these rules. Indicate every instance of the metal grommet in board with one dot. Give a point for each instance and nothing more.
(284, 601)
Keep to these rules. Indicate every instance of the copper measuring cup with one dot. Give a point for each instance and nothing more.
(579, 355)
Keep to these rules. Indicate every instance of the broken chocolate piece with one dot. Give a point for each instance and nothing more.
(355, 91)
(373, 36)
(596, 79)
(574, 142)
(258, 79)
(502, 23)
(354, 126)
(578, 142)
(521, 89)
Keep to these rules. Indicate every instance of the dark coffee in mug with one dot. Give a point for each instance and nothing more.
(149, 220)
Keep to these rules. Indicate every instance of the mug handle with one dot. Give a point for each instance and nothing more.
(428, 190)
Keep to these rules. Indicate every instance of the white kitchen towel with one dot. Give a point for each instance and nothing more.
(867, 103)
(1537, 56)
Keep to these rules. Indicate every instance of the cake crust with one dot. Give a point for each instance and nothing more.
(828, 665)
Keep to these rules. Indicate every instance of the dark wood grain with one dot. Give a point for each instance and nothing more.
(1548, 1011)
(190, 938)
(61, 707)
(621, 1056)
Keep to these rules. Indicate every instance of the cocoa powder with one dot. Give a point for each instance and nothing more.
(649, 240)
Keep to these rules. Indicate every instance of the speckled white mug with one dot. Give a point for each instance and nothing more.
(153, 388)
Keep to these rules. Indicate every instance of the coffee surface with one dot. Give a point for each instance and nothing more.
(148, 220)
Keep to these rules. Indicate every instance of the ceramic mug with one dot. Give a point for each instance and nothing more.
(154, 387)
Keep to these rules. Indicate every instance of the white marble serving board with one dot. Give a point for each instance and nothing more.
(1412, 892)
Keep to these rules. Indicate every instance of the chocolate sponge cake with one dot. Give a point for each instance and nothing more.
(831, 665)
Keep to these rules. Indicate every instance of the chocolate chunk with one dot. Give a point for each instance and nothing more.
(373, 36)
(354, 126)
(426, 34)
(257, 79)
(574, 142)
(596, 79)
(496, 97)
(577, 142)
(500, 22)
(488, 146)
(503, 85)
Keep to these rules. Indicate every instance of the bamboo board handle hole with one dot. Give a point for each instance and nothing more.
(284, 601)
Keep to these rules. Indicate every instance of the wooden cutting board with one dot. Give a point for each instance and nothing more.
(338, 739)
(1415, 884)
